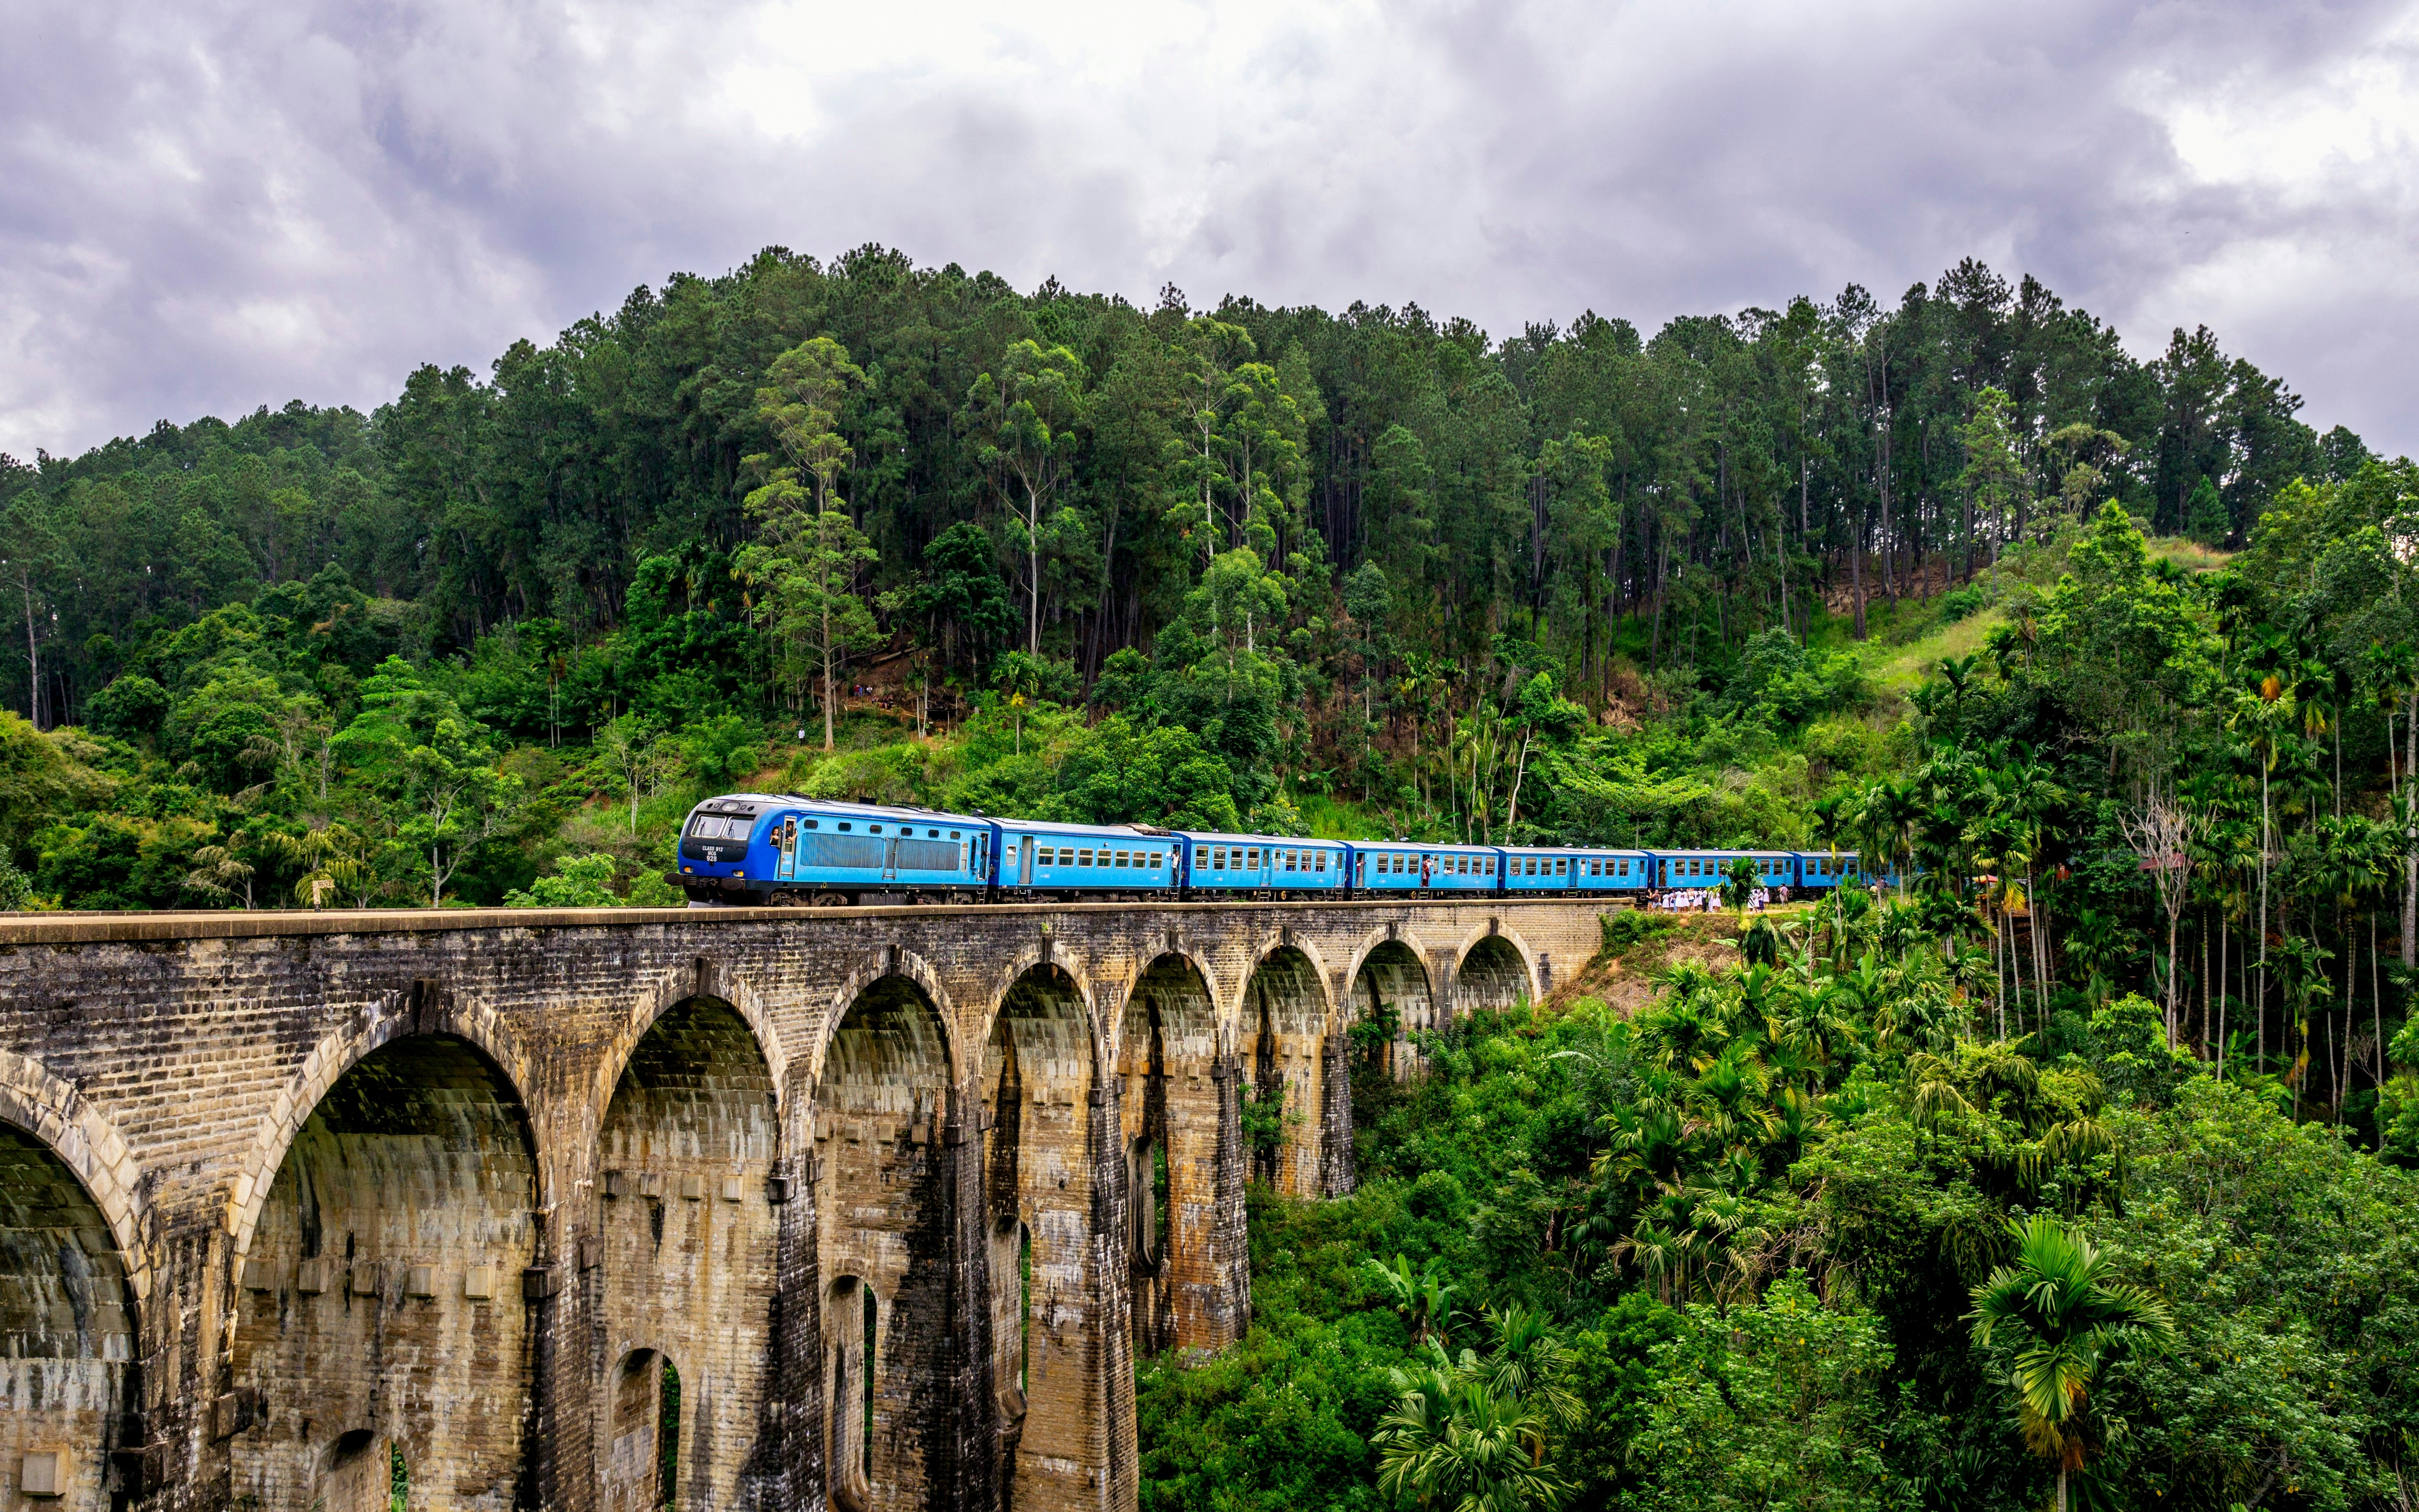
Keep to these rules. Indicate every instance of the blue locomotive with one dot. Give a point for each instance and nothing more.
(765, 848)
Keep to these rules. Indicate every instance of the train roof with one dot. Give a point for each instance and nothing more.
(758, 802)
(1569, 850)
(1052, 827)
(1213, 837)
(1429, 845)
(1739, 850)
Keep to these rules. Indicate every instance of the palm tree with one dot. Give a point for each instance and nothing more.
(2065, 1322)
(1740, 882)
(1958, 672)
(1453, 1441)
(2262, 717)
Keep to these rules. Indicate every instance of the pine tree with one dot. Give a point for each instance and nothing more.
(2205, 515)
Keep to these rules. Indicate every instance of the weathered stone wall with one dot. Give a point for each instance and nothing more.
(378, 1306)
(66, 1336)
(663, 1137)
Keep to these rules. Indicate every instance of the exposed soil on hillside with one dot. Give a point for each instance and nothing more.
(1644, 945)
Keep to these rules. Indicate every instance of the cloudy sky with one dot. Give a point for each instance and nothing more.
(214, 205)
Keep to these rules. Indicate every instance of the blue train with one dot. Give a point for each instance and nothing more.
(764, 848)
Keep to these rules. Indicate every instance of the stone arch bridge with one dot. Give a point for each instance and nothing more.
(752, 1208)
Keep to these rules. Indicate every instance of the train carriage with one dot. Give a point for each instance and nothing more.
(1594, 870)
(1538, 870)
(1822, 870)
(1405, 866)
(1078, 861)
(1218, 865)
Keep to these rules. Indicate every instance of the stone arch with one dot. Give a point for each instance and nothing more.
(1156, 969)
(903, 966)
(1494, 969)
(419, 1011)
(1391, 978)
(1381, 943)
(1281, 1038)
(356, 1473)
(68, 1324)
(88, 1145)
(886, 1217)
(1039, 1077)
(701, 978)
(1179, 1121)
(382, 1286)
(686, 1237)
(641, 1404)
(1099, 1030)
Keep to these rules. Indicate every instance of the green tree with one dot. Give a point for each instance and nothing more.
(1030, 416)
(2063, 1322)
(1994, 478)
(1775, 1404)
(807, 563)
(578, 882)
(2205, 515)
(431, 770)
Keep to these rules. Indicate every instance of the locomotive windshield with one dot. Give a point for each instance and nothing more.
(721, 826)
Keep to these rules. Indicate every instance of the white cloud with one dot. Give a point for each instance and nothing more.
(211, 205)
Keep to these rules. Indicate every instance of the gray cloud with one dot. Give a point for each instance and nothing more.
(210, 207)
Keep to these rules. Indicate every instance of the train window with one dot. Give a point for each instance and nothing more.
(813, 823)
(1123, 858)
(843, 825)
(1322, 861)
(1563, 867)
(1082, 858)
(1158, 859)
(1293, 860)
(1252, 858)
(954, 835)
(873, 829)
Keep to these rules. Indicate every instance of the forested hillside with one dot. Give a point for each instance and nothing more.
(2118, 661)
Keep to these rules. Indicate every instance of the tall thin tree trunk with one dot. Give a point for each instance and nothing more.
(33, 654)
(2259, 1004)
(2375, 1000)
(2171, 977)
(827, 672)
(1033, 570)
(2411, 855)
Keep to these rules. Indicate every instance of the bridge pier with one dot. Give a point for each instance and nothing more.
(597, 1210)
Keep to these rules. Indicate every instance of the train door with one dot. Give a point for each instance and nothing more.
(890, 860)
(785, 836)
(1024, 862)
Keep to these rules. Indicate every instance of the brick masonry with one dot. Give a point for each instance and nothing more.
(289, 1202)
